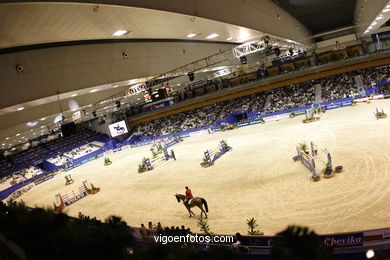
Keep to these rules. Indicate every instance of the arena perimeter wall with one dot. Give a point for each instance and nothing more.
(267, 118)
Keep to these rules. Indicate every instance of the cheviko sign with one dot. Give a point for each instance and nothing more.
(344, 240)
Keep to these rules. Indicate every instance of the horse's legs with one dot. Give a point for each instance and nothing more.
(202, 211)
(189, 211)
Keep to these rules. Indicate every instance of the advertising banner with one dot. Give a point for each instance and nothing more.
(377, 237)
(200, 132)
(299, 112)
(343, 240)
(336, 240)
(160, 105)
(48, 177)
(276, 117)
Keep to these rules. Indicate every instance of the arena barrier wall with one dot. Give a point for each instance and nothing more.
(163, 138)
(85, 159)
(48, 166)
(342, 240)
(36, 180)
(384, 82)
(372, 90)
(284, 114)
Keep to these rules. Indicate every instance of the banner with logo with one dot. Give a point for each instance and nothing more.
(276, 117)
(48, 177)
(343, 240)
(377, 237)
(336, 240)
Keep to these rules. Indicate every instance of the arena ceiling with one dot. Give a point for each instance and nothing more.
(321, 15)
(68, 47)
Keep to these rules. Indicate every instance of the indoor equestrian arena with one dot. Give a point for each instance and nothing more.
(257, 178)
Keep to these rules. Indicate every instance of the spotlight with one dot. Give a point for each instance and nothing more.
(19, 68)
(191, 76)
(243, 59)
(118, 104)
(94, 113)
(150, 91)
(291, 52)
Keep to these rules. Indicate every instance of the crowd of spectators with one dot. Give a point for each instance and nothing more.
(289, 97)
(19, 176)
(159, 229)
(59, 160)
(284, 98)
(73, 154)
(81, 151)
(10, 165)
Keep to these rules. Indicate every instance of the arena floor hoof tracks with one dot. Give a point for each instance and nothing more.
(258, 179)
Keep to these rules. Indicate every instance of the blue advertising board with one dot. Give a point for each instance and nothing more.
(48, 177)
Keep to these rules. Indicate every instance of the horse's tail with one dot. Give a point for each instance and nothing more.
(205, 204)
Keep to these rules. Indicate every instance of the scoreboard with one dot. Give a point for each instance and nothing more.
(157, 95)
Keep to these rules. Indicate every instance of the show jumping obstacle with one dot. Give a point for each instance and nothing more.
(159, 147)
(149, 164)
(107, 161)
(68, 179)
(311, 114)
(211, 155)
(380, 114)
(67, 199)
(307, 158)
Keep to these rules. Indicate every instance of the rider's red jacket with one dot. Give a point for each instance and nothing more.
(189, 194)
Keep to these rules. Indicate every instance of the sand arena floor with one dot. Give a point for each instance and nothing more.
(257, 179)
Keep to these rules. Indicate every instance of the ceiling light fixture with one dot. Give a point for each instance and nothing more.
(212, 36)
(75, 94)
(191, 35)
(17, 134)
(7, 138)
(31, 124)
(386, 10)
(20, 108)
(119, 33)
(93, 90)
(230, 38)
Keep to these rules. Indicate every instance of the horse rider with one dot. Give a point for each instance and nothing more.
(188, 195)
